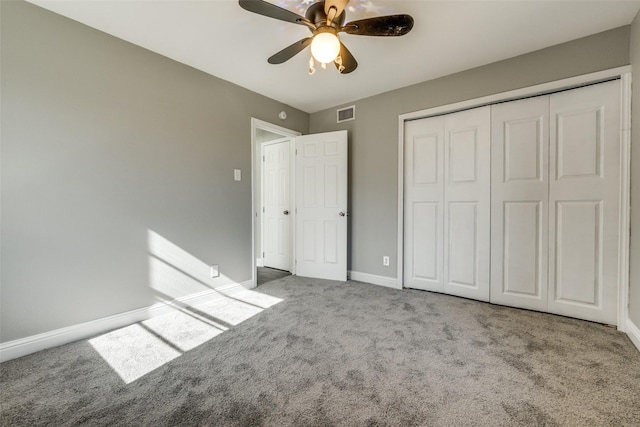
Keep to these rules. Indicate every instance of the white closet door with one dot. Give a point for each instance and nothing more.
(276, 243)
(467, 176)
(584, 202)
(519, 200)
(423, 200)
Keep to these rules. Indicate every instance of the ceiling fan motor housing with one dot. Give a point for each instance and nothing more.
(315, 13)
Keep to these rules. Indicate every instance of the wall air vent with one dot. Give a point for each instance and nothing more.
(346, 114)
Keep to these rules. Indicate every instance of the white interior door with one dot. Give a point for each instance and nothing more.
(467, 190)
(423, 203)
(584, 202)
(321, 200)
(519, 199)
(276, 203)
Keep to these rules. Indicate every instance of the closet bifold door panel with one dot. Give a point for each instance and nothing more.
(467, 189)
(584, 202)
(447, 203)
(423, 203)
(519, 203)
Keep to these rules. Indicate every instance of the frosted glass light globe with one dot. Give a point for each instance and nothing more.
(325, 47)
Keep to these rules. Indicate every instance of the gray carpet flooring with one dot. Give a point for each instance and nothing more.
(335, 353)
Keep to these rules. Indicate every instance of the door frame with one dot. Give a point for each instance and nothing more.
(622, 73)
(260, 217)
(256, 185)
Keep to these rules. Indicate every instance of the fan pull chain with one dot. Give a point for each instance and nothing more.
(312, 70)
(338, 62)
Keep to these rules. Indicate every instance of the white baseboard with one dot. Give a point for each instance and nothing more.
(248, 284)
(634, 333)
(389, 282)
(259, 262)
(24, 346)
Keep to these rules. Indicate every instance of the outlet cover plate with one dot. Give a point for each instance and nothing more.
(215, 270)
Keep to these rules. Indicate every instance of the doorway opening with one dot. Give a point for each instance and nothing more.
(272, 229)
(267, 274)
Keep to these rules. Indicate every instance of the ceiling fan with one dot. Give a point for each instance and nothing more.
(325, 19)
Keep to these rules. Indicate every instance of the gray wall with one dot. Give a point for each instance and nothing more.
(102, 142)
(634, 282)
(373, 136)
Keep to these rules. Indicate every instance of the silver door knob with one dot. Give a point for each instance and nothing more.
(342, 214)
(286, 212)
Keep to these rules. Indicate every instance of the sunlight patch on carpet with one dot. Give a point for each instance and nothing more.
(133, 351)
(180, 281)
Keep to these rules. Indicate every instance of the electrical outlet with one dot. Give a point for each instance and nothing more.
(215, 270)
(385, 261)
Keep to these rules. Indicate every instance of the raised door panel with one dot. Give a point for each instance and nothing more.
(309, 239)
(331, 241)
(424, 254)
(331, 190)
(309, 187)
(578, 247)
(463, 155)
(462, 244)
(523, 145)
(423, 199)
(519, 193)
(584, 202)
(579, 142)
(424, 150)
(522, 249)
(467, 164)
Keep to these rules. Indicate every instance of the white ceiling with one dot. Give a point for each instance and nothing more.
(222, 39)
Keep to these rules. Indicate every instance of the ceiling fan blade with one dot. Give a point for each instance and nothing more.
(348, 61)
(387, 26)
(264, 8)
(290, 51)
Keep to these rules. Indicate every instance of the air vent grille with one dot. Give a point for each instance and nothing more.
(346, 114)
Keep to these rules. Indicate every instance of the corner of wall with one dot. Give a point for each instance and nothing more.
(634, 256)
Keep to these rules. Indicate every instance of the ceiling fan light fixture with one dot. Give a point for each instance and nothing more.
(325, 47)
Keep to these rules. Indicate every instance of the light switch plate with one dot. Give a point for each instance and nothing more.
(237, 174)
